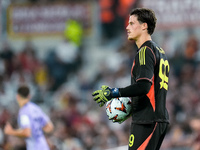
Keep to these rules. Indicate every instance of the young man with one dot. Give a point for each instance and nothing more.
(149, 85)
(32, 121)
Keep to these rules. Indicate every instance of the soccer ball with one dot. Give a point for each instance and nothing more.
(118, 109)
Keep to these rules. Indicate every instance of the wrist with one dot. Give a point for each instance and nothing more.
(115, 92)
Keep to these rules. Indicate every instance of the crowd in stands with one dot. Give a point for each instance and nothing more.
(64, 91)
(62, 88)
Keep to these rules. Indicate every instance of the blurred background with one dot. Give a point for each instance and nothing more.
(66, 49)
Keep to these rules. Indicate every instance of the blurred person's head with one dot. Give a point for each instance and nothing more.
(23, 95)
(141, 20)
(194, 123)
(191, 47)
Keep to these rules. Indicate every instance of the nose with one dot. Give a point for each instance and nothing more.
(127, 27)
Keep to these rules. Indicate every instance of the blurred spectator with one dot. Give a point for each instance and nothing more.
(187, 54)
(107, 17)
(67, 54)
(7, 55)
(41, 76)
(55, 70)
(123, 7)
(74, 32)
(28, 59)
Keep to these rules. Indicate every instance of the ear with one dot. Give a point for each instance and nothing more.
(17, 96)
(144, 26)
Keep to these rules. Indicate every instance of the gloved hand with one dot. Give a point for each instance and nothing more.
(104, 95)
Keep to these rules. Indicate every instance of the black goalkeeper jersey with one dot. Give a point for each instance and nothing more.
(150, 64)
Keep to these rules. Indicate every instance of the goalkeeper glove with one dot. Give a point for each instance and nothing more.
(106, 94)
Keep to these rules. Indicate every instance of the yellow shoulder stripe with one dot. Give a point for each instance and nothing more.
(142, 55)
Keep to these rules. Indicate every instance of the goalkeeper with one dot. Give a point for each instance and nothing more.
(149, 85)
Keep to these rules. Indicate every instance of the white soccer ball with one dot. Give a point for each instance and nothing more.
(118, 109)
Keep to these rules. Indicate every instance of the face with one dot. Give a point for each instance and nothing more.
(17, 98)
(134, 28)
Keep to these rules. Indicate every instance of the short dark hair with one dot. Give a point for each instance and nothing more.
(145, 15)
(23, 91)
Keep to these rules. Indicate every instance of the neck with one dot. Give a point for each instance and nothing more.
(142, 39)
(22, 103)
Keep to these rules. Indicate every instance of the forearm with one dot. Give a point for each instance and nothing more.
(140, 88)
(19, 132)
(107, 93)
(49, 127)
